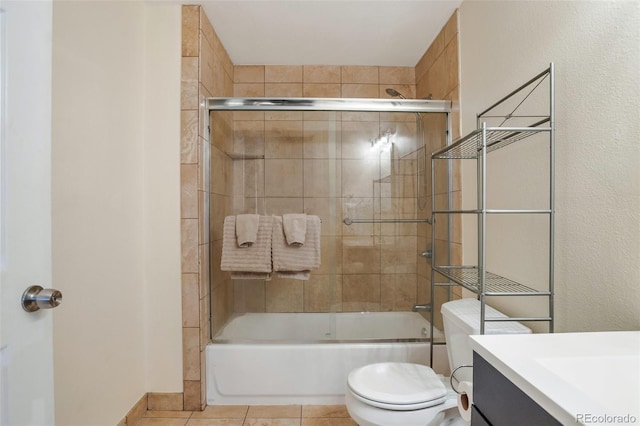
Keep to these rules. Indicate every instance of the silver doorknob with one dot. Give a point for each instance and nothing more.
(36, 297)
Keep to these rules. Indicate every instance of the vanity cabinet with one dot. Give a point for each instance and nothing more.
(498, 402)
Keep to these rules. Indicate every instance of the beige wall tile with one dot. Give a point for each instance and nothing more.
(248, 74)
(188, 137)
(282, 205)
(205, 314)
(359, 74)
(205, 274)
(192, 395)
(321, 90)
(206, 29)
(360, 255)
(189, 69)
(398, 292)
(360, 90)
(284, 177)
(323, 293)
(189, 95)
(248, 90)
(191, 353)
(451, 65)
(361, 292)
(322, 139)
(248, 178)
(189, 191)
(451, 27)
(284, 295)
(207, 66)
(320, 74)
(221, 179)
(220, 207)
(359, 208)
(358, 177)
(329, 211)
(283, 139)
(249, 137)
(398, 255)
(398, 75)
(189, 245)
(219, 306)
(190, 304)
(222, 130)
(283, 74)
(165, 401)
(285, 90)
(190, 30)
(250, 296)
(356, 139)
(321, 178)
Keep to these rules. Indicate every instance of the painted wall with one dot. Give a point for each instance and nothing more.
(596, 50)
(115, 188)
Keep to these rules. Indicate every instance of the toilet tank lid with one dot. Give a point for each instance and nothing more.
(465, 313)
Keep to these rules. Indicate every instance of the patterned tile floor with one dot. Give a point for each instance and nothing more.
(252, 415)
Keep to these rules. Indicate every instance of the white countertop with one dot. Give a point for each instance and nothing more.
(572, 375)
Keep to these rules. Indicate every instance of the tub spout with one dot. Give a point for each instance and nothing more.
(423, 307)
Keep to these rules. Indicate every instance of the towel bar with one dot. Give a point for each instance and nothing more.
(348, 221)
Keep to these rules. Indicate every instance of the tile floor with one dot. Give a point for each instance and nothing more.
(252, 415)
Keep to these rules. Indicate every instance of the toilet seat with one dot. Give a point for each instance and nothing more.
(397, 386)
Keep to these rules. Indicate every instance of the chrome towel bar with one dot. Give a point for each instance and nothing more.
(348, 221)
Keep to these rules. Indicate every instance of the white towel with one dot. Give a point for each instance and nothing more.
(296, 259)
(256, 258)
(247, 229)
(266, 276)
(302, 275)
(295, 228)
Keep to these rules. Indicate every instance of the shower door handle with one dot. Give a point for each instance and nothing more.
(35, 298)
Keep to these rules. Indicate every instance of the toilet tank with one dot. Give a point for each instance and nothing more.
(462, 319)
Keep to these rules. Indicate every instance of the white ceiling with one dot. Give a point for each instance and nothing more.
(328, 32)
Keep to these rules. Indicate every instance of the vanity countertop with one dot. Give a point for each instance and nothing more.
(576, 377)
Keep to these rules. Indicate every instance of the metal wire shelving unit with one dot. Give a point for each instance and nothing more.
(477, 145)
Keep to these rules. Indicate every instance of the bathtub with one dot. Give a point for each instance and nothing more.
(304, 358)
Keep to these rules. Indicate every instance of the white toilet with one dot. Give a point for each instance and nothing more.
(406, 394)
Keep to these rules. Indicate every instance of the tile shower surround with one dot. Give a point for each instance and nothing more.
(208, 71)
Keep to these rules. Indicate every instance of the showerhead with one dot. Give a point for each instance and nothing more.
(395, 93)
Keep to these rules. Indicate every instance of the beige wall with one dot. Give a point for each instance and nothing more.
(595, 48)
(115, 206)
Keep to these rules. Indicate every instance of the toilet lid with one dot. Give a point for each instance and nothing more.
(398, 384)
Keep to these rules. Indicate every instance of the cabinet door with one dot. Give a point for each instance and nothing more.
(501, 402)
(477, 419)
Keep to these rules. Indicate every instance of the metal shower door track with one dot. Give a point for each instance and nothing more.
(328, 104)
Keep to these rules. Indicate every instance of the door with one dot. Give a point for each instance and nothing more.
(26, 345)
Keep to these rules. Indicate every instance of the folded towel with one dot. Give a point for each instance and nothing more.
(296, 259)
(247, 229)
(256, 258)
(302, 275)
(295, 228)
(266, 276)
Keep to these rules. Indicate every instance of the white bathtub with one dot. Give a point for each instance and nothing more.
(304, 358)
